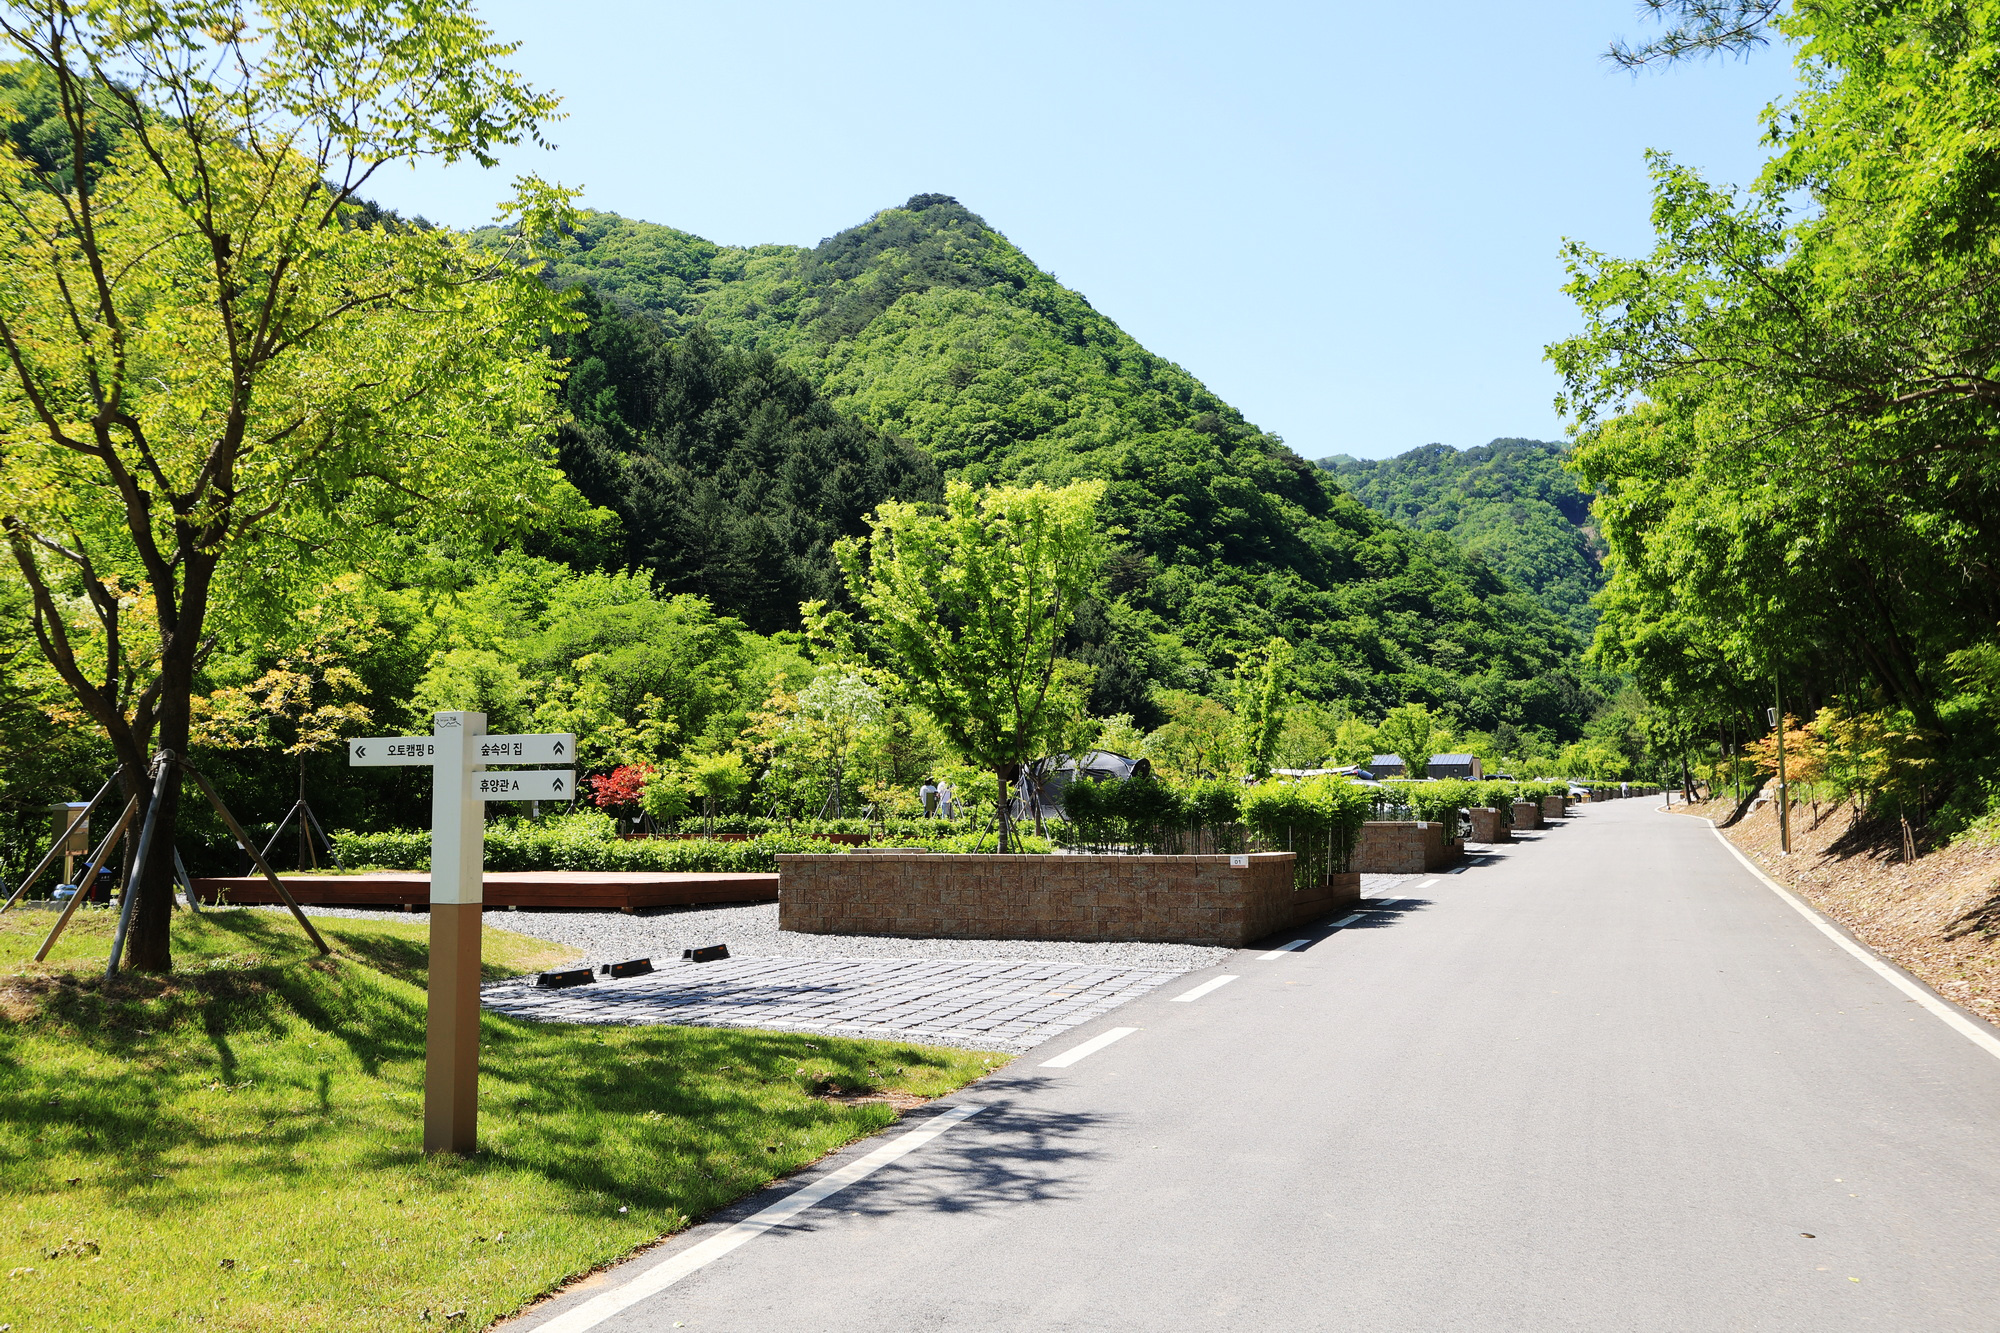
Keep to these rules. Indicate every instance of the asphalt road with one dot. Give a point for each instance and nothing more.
(1608, 1081)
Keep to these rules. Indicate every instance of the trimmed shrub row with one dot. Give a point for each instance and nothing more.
(587, 842)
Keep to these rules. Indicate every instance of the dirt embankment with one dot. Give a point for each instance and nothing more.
(1938, 916)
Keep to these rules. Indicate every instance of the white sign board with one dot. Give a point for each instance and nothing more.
(391, 751)
(539, 784)
(554, 748)
(1239, 863)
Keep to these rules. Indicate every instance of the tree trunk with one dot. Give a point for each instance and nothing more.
(308, 860)
(1000, 779)
(150, 947)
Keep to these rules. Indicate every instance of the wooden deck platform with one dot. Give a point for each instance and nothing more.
(605, 891)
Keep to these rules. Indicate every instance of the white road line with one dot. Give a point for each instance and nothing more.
(1426, 884)
(656, 1280)
(1283, 949)
(1915, 990)
(1204, 988)
(1091, 1047)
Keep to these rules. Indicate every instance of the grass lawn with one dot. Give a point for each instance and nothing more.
(237, 1146)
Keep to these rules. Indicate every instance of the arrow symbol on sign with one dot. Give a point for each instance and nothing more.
(559, 747)
(361, 751)
(557, 784)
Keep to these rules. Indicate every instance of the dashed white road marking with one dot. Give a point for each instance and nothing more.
(1426, 884)
(1091, 1047)
(656, 1280)
(1283, 949)
(1204, 988)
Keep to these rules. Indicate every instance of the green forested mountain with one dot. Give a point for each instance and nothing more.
(730, 476)
(932, 335)
(1510, 503)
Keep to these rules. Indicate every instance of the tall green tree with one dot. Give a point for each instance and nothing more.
(1788, 409)
(970, 604)
(220, 384)
(1410, 732)
(1260, 704)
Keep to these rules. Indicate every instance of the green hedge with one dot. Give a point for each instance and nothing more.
(1145, 815)
(1440, 801)
(1319, 820)
(897, 830)
(587, 842)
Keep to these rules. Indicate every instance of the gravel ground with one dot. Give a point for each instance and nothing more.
(751, 931)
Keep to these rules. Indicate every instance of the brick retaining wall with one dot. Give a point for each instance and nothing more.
(1396, 847)
(1167, 899)
(1552, 807)
(1527, 815)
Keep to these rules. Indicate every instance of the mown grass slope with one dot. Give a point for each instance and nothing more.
(236, 1146)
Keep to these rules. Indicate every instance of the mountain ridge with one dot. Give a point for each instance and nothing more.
(1510, 503)
(926, 325)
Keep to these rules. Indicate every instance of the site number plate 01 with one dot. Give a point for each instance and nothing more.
(539, 784)
(392, 751)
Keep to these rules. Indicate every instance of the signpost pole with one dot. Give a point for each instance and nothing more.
(457, 752)
(458, 858)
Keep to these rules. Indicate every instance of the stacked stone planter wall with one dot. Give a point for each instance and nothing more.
(1169, 899)
(1527, 815)
(1394, 847)
(1490, 825)
(1552, 807)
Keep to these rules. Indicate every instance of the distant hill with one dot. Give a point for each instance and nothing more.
(927, 328)
(1509, 503)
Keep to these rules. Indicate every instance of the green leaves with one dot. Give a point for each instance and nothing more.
(1410, 732)
(1260, 704)
(971, 604)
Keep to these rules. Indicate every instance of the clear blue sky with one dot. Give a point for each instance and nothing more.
(1344, 218)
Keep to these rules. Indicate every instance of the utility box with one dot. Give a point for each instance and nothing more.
(78, 844)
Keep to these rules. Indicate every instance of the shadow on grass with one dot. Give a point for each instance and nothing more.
(402, 958)
(679, 1120)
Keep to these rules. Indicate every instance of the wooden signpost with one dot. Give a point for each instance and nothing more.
(457, 752)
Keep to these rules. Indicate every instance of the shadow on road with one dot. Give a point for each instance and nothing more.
(1008, 1155)
(1386, 912)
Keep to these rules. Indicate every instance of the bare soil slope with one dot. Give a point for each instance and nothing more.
(1938, 916)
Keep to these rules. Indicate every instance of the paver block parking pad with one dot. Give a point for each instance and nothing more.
(1005, 1006)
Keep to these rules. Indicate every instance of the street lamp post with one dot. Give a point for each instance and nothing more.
(1784, 794)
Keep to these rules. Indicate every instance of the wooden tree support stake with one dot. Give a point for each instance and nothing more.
(89, 874)
(63, 841)
(263, 866)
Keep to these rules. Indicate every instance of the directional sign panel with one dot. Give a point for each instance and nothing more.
(554, 748)
(390, 751)
(538, 784)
